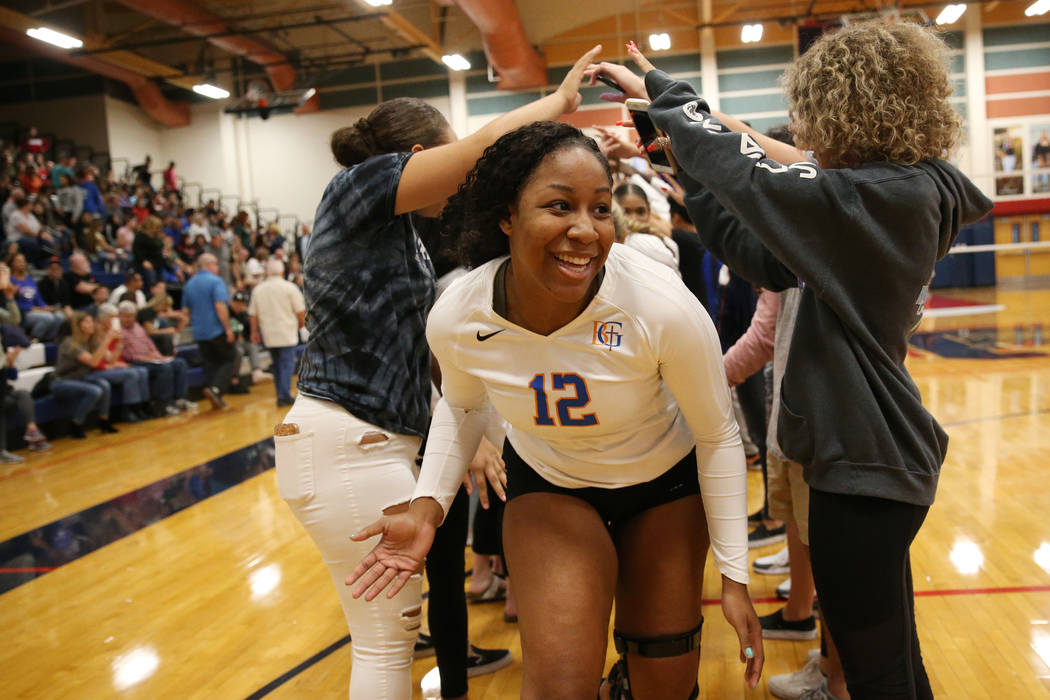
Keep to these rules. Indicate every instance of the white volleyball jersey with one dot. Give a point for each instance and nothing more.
(614, 398)
(588, 405)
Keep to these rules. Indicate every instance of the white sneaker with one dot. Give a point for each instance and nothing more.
(258, 376)
(773, 564)
(185, 404)
(791, 686)
(784, 589)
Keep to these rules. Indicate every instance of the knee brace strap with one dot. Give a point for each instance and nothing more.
(659, 647)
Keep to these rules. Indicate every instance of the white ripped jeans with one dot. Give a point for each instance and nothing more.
(335, 486)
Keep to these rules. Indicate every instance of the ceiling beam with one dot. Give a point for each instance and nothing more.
(396, 22)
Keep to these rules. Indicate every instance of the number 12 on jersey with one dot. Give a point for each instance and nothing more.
(562, 382)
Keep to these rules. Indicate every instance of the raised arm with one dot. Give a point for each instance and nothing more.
(431, 176)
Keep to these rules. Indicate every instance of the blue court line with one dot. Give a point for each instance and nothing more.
(316, 658)
(37, 552)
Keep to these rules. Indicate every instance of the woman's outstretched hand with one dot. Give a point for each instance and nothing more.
(569, 89)
(740, 613)
(633, 85)
(400, 552)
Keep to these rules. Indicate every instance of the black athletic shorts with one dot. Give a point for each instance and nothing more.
(615, 506)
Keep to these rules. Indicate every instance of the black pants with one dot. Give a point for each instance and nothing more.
(447, 611)
(859, 550)
(752, 396)
(488, 526)
(218, 357)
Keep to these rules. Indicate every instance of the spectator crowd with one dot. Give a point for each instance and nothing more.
(113, 270)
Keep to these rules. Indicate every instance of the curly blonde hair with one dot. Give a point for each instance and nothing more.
(874, 91)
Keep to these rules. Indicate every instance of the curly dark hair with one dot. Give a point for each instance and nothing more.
(472, 216)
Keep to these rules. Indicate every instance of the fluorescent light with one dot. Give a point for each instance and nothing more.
(216, 93)
(1039, 7)
(751, 33)
(62, 41)
(660, 42)
(455, 61)
(951, 14)
(309, 93)
(379, 3)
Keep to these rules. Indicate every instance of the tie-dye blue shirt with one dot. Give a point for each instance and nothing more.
(369, 285)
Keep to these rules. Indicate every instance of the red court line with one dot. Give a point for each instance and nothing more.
(924, 594)
(27, 569)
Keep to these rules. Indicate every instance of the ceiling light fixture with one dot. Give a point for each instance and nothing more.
(660, 42)
(379, 3)
(212, 91)
(751, 33)
(62, 41)
(1039, 7)
(951, 14)
(455, 61)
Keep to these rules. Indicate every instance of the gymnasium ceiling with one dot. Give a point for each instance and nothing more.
(315, 37)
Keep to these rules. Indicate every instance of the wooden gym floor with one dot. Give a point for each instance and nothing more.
(225, 596)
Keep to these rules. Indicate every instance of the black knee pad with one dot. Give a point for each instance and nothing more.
(652, 648)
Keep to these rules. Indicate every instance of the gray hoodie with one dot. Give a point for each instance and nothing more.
(861, 243)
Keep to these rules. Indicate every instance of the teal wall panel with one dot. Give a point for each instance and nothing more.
(744, 58)
(749, 81)
(1022, 58)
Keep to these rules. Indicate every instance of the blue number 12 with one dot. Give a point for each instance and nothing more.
(562, 381)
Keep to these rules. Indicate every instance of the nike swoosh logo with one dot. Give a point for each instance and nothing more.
(489, 335)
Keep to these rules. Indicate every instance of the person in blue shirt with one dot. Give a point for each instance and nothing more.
(92, 196)
(38, 318)
(206, 299)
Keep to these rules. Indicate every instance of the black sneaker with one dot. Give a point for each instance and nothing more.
(76, 431)
(424, 646)
(482, 661)
(774, 626)
(761, 536)
(755, 518)
(215, 396)
(106, 427)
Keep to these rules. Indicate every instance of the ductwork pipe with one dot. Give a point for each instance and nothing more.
(149, 96)
(199, 22)
(507, 48)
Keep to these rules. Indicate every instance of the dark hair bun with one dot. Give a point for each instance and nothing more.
(354, 144)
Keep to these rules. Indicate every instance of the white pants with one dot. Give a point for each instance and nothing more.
(335, 486)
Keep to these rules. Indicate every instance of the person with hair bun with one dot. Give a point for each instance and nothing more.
(859, 231)
(610, 377)
(346, 451)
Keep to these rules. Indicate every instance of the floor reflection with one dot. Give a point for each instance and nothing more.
(984, 343)
(39, 551)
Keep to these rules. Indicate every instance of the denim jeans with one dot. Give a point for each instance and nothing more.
(283, 368)
(336, 485)
(82, 396)
(133, 381)
(167, 379)
(43, 324)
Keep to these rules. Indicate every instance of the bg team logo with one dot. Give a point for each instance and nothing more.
(607, 334)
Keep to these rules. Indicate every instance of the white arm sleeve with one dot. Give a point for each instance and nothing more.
(691, 365)
(462, 415)
(455, 434)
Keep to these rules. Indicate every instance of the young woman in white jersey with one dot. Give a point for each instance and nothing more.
(609, 374)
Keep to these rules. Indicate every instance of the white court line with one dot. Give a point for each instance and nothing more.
(975, 310)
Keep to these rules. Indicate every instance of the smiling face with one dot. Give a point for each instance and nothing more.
(560, 232)
(635, 207)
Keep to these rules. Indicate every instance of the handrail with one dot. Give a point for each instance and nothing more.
(113, 166)
(185, 187)
(227, 197)
(295, 225)
(200, 199)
